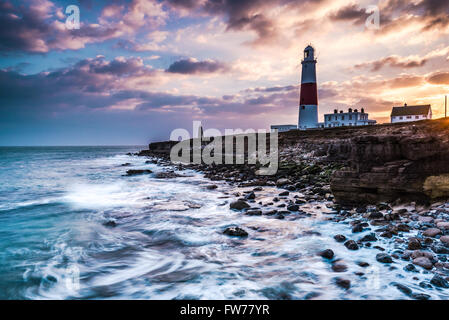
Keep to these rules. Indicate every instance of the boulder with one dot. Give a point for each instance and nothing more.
(239, 205)
(414, 244)
(235, 232)
(328, 254)
(423, 262)
(138, 172)
(432, 232)
(351, 245)
(384, 258)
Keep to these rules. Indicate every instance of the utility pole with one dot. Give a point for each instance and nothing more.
(445, 106)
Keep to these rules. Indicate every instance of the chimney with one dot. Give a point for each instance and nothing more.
(405, 104)
(362, 110)
(350, 110)
(335, 111)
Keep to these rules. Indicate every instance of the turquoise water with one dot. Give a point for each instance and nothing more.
(72, 226)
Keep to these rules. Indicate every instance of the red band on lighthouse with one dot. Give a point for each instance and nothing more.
(309, 94)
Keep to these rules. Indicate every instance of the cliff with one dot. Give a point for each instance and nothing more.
(383, 163)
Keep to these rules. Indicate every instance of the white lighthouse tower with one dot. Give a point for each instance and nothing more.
(308, 101)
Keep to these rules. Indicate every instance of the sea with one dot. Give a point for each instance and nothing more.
(74, 226)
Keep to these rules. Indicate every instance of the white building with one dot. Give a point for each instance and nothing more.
(350, 118)
(411, 113)
(284, 127)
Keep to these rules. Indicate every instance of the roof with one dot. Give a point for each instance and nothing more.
(410, 110)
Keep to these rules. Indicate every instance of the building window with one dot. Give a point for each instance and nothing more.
(303, 107)
(401, 118)
(416, 117)
(342, 117)
(409, 117)
(350, 117)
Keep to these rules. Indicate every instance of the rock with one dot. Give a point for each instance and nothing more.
(282, 182)
(357, 228)
(420, 296)
(110, 224)
(438, 281)
(445, 239)
(351, 245)
(343, 283)
(340, 238)
(258, 189)
(443, 225)
(250, 196)
(431, 232)
(384, 258)
(376, 215)
(137, 172)
(423, 262)
(293, 207)
(211, 187)
(284, 194)
(440, 249)
(253, 213)
(425, 219)
(239, 205)
(395, 164)
(414, 244)
(404, 289)
(166, 175)
(235, 232)
(328, 254)
(369, 238)
(410, 268)
(339, 267)
(126, 164)
(363, 264)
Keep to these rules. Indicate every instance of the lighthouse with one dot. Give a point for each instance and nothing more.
(308, 101)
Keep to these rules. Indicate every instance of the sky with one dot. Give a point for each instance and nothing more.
(136, 70)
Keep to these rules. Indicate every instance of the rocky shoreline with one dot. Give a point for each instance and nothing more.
(387, 182)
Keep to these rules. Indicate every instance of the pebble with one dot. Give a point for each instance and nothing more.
(340, 238)
(423, 262)
(384, 258)
(235, 232)
(369, 238)
(357, 228)
(445, 239)
(328, 254)
(439, 282)
(431, 232)
(343, 283)
(339, 267)
(351, 245)
(239, 205)
(443, 225)
(293, 207)
(414, 244)
(376, 215)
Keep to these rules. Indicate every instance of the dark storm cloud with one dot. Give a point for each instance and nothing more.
(192, 66)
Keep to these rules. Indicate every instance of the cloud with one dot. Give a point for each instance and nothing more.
(352, 13)
(193, 66)
(439, 78)
(394, 62)
(39, 25)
